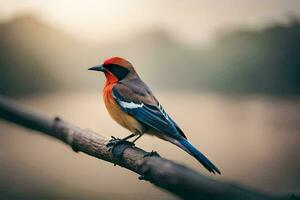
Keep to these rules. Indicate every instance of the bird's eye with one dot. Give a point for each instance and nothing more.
(117, 70)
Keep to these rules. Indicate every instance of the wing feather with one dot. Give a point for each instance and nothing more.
(146, 109)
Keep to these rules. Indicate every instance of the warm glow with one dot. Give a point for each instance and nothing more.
(192, 21)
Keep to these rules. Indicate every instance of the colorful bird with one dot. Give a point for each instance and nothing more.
(131, 103)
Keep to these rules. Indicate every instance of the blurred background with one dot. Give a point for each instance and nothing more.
(227, 71)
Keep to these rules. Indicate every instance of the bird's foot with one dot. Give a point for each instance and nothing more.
(152, 153)
(117, 141)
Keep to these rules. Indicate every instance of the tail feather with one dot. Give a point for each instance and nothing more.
(199, 156)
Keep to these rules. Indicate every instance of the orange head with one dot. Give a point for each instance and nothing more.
(115, 69)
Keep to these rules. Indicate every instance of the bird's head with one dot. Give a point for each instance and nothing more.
(115, 69)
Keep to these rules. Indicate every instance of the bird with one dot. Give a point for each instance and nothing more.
(131, 104)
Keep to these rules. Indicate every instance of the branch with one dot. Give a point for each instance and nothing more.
(175, 178)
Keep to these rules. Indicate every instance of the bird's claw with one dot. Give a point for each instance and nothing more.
(114, 138)
(117, 141)
(113, 141)
(152, 153)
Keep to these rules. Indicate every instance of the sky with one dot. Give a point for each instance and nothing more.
(193, 21)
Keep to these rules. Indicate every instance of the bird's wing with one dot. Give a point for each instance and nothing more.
(139, 102)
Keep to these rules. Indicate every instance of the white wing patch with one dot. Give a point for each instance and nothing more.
(130, 105)
(163, 111)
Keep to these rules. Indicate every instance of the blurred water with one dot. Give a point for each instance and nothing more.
(254, 140)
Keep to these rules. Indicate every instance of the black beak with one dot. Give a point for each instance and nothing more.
(98, 68)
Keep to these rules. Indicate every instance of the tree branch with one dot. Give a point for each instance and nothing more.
(175, 178)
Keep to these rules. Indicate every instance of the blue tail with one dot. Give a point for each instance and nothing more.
(199, 156)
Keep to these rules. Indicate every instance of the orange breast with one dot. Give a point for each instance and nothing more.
(117, 114)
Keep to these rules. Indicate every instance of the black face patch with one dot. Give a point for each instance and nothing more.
(117, 70)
